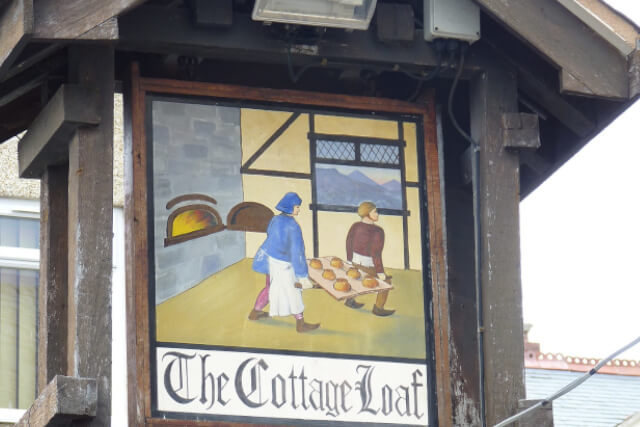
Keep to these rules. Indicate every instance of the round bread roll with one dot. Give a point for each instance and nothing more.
(342, 285)
(336, 262)
(370, 282)
(329, 274)
(315, 263)
(354, 273)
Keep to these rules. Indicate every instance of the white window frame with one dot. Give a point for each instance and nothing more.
(21, 259)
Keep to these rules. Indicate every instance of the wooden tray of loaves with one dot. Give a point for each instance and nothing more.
(341, 284)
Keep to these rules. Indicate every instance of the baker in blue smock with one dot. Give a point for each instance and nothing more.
(282, 258)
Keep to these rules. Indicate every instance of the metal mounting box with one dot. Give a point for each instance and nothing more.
(451, 19)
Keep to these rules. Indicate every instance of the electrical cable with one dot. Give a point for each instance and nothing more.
(566, 389)
(432, 74)
(452, 91)
(477, 225)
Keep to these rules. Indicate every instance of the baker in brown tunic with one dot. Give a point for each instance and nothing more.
(365, 242)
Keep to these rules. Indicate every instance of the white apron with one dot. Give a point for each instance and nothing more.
(284, 298)
(364, 260)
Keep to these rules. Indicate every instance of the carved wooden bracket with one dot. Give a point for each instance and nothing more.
(520, 131)
(47, 139)
(63, 400)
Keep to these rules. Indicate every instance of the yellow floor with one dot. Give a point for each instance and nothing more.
(215, 313)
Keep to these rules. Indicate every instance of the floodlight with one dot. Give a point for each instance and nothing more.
(352, 14)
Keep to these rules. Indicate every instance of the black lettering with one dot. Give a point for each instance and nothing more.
(293, 390)
(344, 395)
(316, 390)
(331, 390)
(221, 386)
(304, 396)
(364, 385)
(183, 376)
(205, 378)
(406, 410)
(387, 400)
(254, 382)
(274, 391)
(415, 384)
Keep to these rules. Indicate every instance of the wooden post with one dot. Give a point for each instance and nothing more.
(64, 401)
(52, 297)
(90, 228)
(493, 92)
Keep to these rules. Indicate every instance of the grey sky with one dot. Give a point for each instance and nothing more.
(580, 239)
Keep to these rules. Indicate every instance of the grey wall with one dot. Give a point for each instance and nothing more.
(196, 149)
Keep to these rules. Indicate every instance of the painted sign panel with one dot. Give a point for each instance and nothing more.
(287, 276)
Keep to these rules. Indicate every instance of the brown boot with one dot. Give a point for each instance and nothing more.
(352, 303)
(302, 326)
(257, 314)
(381, 311)
(378, 308)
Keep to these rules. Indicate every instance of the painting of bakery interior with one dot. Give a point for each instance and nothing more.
(288, 229)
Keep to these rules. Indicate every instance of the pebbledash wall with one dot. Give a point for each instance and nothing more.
(20, 198)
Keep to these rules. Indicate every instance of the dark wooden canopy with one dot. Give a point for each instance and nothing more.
(568, 73)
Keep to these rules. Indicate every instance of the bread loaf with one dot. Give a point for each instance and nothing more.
(329, 274)
(342, 285)
(315, 263)
(354, 273)
(336, 262)
(370, 282)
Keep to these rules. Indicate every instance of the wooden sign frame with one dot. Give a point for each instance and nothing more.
(138, 223)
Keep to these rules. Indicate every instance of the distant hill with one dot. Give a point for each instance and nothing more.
(335, 188)
(393, 185)
(360, 177)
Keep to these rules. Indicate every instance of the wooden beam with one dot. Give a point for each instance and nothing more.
(47, 140)
(144, 30)
(547, 97)
(598, 25)
(634, 73)
(28, 78)
(493, 93)
(108, 30)
(589, 65)
(90, 227)
(551, 101)
(52, 294)
(18, 116)
(24, 88)
(16, 28)
(520, 131)
(62, 401)
(71, 19)
(536, 162)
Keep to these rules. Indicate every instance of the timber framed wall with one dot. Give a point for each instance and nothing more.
(137, 223)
